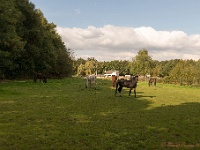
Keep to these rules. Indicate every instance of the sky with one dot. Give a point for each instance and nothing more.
(117, 29)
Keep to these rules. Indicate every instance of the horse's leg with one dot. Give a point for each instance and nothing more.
(89, 86)
(114, 83)
(35, 79)
(135, 92)
(95, 85)
(116, 88)
(120, 89)
(44, 80)
(86, 83)
(130, 92)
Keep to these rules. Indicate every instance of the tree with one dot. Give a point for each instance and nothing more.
(76, 64)
(28, 43)
(81, 70)
(91, 66)
(185, 72)
(156, 68)
(11, 44)
(141, 64)
(101, 67)
(167, 66)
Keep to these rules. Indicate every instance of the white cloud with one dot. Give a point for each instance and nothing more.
(122, 43)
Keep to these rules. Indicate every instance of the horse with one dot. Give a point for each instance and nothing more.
(152, 80)
(114, 79)
(132, 84)
(41, 77)
(91, 79)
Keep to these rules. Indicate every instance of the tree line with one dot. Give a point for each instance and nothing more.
(178, 71)
(29, 44)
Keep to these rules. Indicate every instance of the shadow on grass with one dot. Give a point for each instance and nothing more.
(134, 126)
(142, 96)
(143, 127)
(174, 126)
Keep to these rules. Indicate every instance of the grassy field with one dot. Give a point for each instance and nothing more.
(62, 114)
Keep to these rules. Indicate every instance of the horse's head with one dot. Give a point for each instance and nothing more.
(135, 78)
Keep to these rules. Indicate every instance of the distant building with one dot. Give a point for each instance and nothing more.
(109, 73)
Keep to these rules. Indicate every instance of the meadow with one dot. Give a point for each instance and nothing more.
(62, 114)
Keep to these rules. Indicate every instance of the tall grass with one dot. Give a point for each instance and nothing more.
(62, 114)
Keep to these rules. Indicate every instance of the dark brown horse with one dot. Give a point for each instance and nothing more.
(152, 80)
(131, 84)
(114, 79)
(41, 77)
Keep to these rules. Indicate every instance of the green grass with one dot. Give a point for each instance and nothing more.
(62, 114)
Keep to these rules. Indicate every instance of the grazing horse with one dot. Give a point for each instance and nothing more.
(91, 80)
(41, 77)
(152, 80)
(114, 79)
(132, 84)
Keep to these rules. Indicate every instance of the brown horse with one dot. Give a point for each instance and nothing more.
(131, 84)
(114, 79)
(41, 77)
(152, 80)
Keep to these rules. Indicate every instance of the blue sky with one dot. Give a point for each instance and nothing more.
(151, 16)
